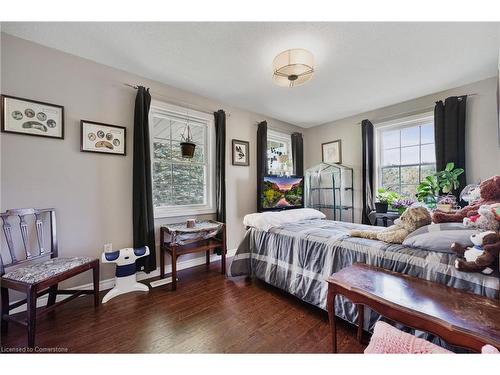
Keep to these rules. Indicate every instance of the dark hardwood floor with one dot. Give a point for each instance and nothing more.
(207, 314)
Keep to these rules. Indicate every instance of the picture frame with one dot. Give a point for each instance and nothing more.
(331, 152)
(31, 117)
(102, 138)
(240, 152)
(498, 106)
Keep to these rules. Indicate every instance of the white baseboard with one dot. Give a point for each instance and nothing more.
(110, 283)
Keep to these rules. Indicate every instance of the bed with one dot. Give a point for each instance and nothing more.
(297, 257)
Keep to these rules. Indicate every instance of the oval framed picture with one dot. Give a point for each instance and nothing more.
(31, 117)
(102, 138)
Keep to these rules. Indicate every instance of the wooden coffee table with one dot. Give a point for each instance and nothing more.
(461, 318)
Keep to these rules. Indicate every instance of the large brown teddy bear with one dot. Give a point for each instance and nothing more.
(412, 219)
(490, 194)
(483, 257)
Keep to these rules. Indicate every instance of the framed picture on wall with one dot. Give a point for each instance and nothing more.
(102, 138)
(332, 152)
(498, 105)
(31, 117)
(241, 152)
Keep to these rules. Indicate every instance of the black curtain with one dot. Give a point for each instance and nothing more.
(142, 197)
(220, 165)
(261, 160)
(449, 134)
(298, 154)
(367, 131)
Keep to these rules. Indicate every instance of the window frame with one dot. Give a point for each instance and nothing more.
(208, 207)
(399, 123)
(274, 135)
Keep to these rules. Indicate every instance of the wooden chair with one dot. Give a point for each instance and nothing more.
(40, 278)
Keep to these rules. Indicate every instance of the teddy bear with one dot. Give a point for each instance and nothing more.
(482, 257)
(485, 218)
(412, 219)
(490, 194)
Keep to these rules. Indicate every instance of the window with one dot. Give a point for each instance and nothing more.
(181, 186)
(406, 153)
(279, 153)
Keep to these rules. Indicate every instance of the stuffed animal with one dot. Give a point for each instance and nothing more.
(484, 220)
(490, 194)
(412, 219)
(495, 208)
(482, 257)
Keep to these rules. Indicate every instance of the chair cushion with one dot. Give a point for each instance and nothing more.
(37, 272)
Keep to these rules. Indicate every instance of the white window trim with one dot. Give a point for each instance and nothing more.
(194, 209)
(400, 123)
(281, 137)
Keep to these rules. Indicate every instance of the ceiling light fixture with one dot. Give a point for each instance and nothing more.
(293, 67)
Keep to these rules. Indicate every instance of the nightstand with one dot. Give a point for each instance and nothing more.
(383, 220)
(177, 240)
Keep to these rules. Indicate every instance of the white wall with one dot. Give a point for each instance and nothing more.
(93, 192)
(482, 148)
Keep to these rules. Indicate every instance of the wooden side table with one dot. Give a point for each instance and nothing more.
(177, 240)
(459, 317)
(383, 220)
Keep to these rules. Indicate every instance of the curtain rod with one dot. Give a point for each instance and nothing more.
(411, 113)
(179, 102)
(278, 129)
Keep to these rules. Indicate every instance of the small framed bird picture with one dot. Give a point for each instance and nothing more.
(241, 152)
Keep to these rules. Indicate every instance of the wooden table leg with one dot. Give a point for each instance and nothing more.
(162, 262)
(361, 319)
(174, 269)
(95, 276)
(330, 302)
(223, 251)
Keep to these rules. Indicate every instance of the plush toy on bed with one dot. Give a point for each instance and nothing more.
(482, 257)
(412, 219)
(486, 218)
(490, 194)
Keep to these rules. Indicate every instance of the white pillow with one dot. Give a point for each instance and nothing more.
(273, 219)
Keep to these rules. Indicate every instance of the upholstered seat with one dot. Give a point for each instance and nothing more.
(38, 272)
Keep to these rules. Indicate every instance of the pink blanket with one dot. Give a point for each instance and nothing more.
(389, 340)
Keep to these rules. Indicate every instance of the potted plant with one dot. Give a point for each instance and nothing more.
(445, 181)
(448, 178)
(428, 190)
(187, 144)
(446, 203)
(402, 203)
(384, 199)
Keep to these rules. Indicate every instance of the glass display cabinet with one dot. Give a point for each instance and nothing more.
(329, 188)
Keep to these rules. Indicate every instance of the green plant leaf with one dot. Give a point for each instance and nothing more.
(449, 166)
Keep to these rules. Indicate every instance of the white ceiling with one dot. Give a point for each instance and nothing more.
(359, 66)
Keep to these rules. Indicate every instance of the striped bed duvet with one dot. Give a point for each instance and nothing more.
(298, 258)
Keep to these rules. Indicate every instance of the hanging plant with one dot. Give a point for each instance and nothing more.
(187, 146)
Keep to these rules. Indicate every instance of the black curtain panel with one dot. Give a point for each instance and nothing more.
(261, 160)
(220, 165)
(142, 195)
(367, 131)
(449, 134)
(298, 154)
